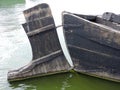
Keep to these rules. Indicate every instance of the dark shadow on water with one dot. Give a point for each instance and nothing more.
(66, 81)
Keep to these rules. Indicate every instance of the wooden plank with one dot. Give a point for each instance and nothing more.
(74, 39)
(95, 63)
(96, 32)
(38, 61)
(37, 31)
(36, 12)
(43, 67)
(41, 31)
(48, 57)
(44, 43)
(36, 24)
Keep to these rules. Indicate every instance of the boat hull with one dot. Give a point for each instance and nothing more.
(94, 48)
(48, 57)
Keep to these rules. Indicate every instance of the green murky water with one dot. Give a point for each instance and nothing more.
(67, 81)
(15, 52)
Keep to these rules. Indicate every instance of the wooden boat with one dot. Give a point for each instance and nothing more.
(94, 45)
(48, 57)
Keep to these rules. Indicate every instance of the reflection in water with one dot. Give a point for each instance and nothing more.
(66, 82)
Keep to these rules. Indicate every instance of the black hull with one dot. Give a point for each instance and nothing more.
(48, 57)
(93, 46)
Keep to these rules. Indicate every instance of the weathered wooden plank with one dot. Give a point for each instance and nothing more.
(44, 43)
(74, 39)
(40, 60)
(51, 64)
(96, 32)
(95, 63)
(94, 59)
(36, 24)
(42, 29)
(48, 57)
(36, 12)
